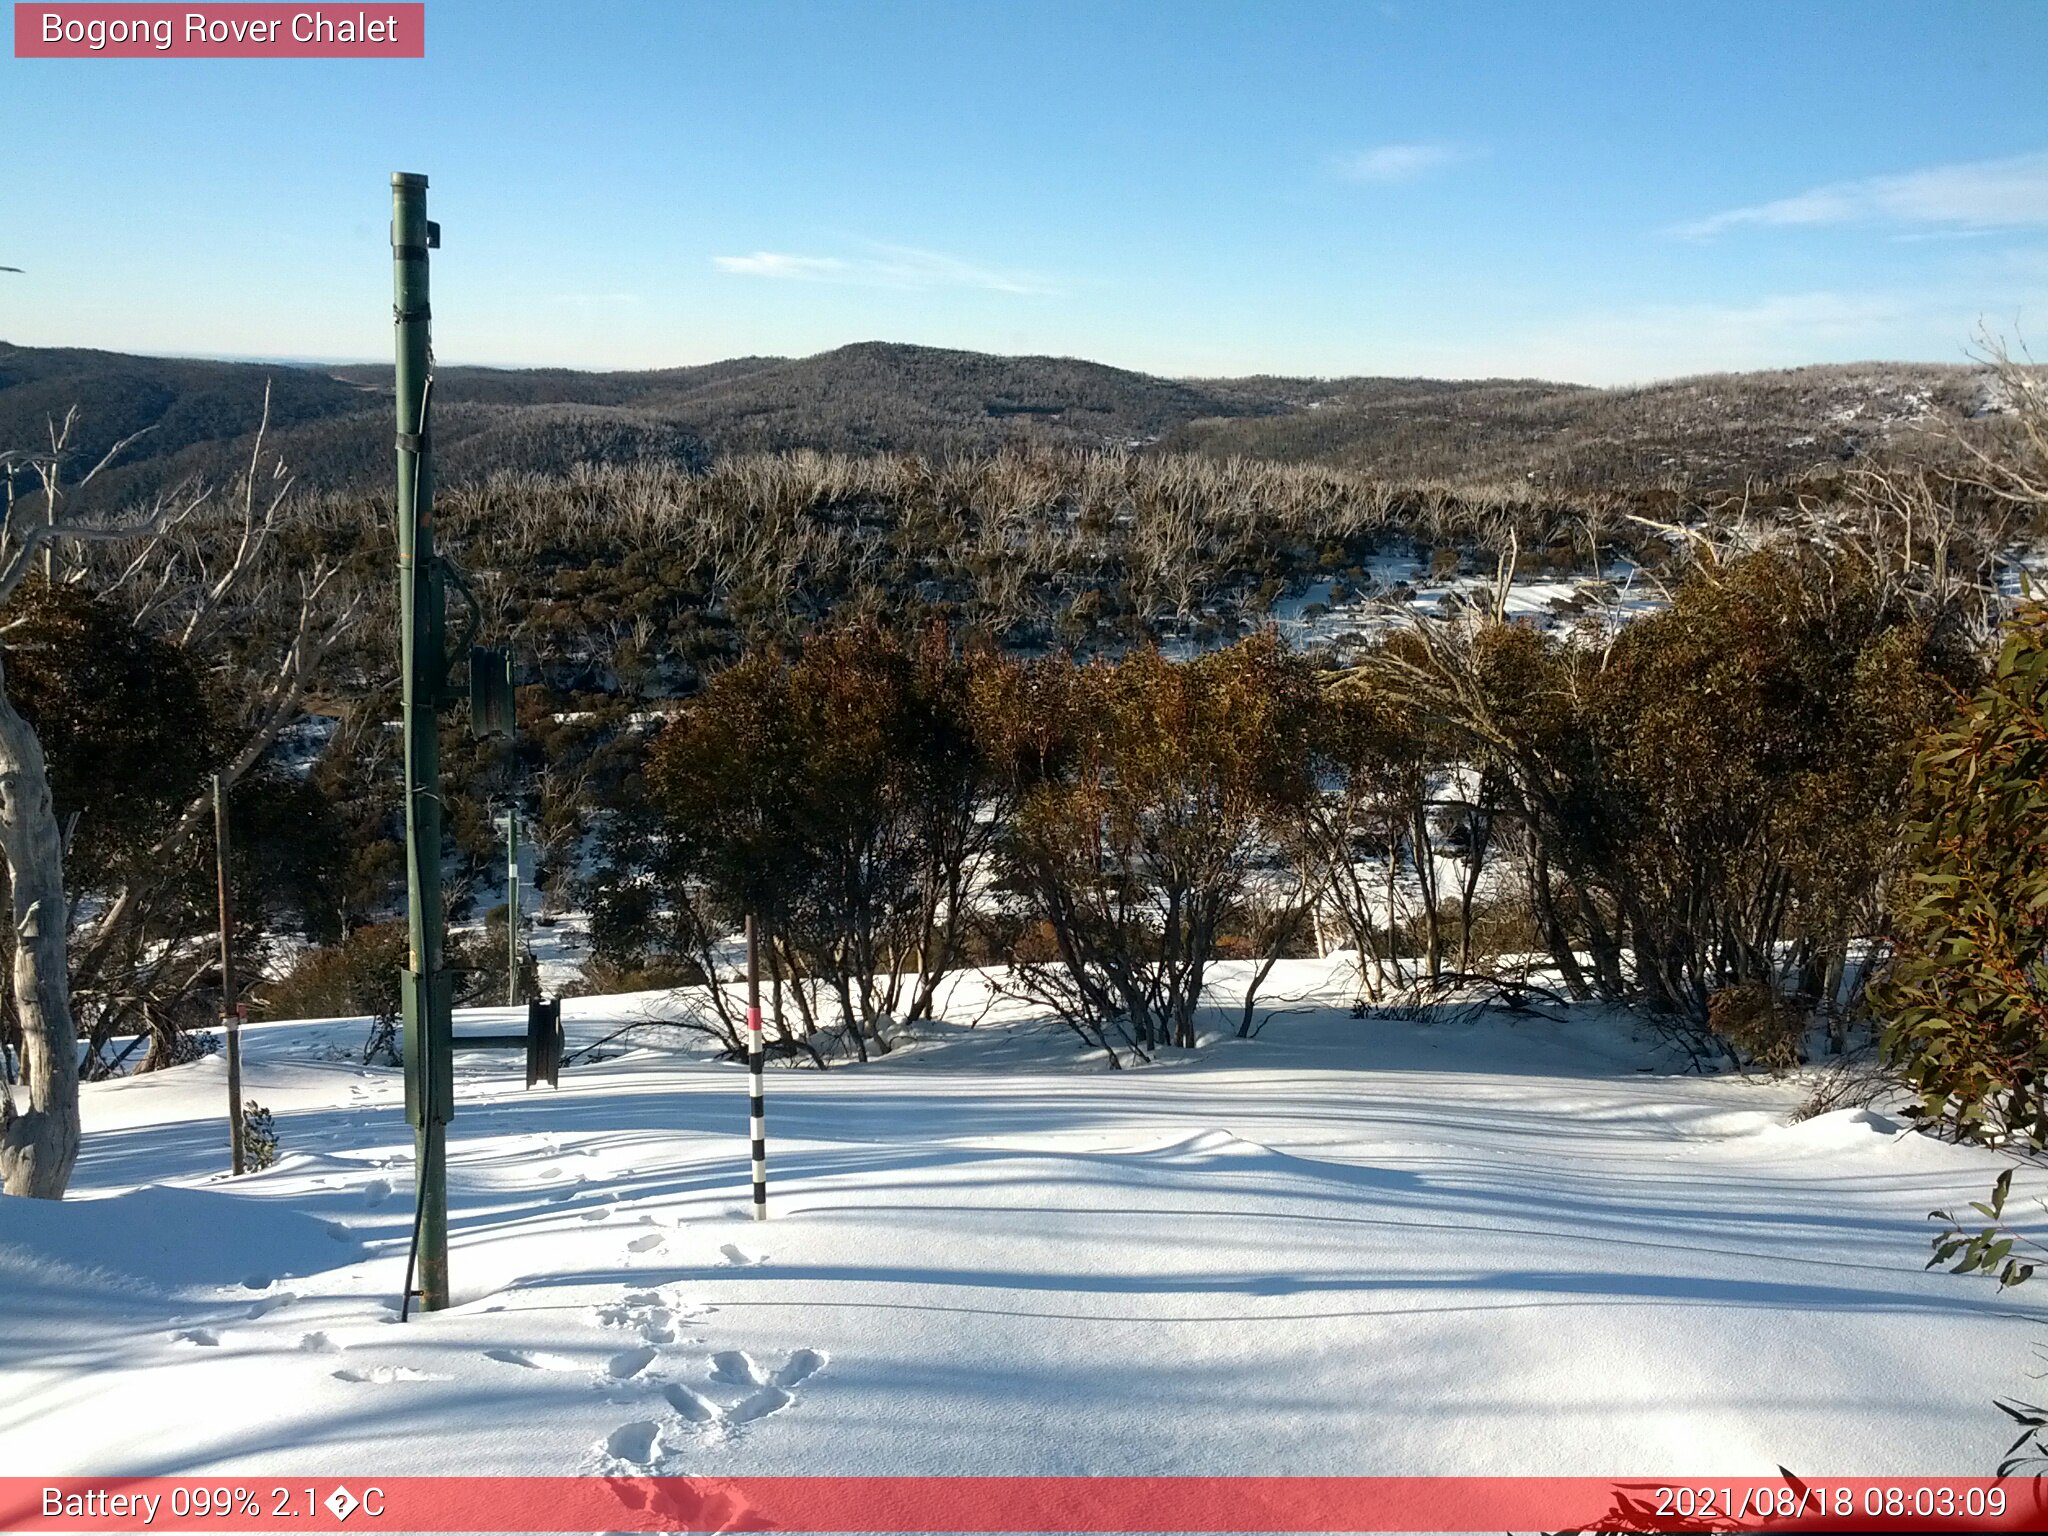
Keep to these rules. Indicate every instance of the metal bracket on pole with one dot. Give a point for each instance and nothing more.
(429, 1086)
(544, 1042)
(493, 709)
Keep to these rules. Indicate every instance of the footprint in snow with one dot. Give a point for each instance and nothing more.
(629, 1362)
(737, 1257)
(376, 1192)
(647, 1244)
(272, 1303)
(735, 1367)
(690, 1404)
(204, 1336)
(758, 1406)
(318, 1344)
(802, 1365)
(634, 1442)
(649, 1312)
(738, 1368)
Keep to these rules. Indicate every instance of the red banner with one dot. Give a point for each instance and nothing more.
(119, 31)
(1019, 1504)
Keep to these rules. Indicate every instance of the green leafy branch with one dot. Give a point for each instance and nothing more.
(1987, 1250)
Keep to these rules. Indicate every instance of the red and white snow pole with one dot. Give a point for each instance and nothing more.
(757, 1109)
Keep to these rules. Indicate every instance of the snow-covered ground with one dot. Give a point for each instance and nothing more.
(1348, 1246)
(1400, 590)
(1346, 618)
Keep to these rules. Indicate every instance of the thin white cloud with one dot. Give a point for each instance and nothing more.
(1398, 162)
(781, 264)
(885, 266)
(1980, 194)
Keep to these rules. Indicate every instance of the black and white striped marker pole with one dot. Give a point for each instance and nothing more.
(757, 1109)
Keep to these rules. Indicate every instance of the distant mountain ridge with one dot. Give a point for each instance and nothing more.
(333, 424)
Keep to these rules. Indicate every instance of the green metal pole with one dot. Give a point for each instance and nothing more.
(512, 905)
(429, 1019)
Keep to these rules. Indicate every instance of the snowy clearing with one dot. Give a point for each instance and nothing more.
(1349, 1246)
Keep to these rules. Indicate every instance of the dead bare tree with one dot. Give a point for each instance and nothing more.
(39, 1143)
(211, 579)
(200, 579)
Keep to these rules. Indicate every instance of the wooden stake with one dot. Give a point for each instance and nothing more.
(231, 1019)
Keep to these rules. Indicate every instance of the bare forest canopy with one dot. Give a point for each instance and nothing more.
(332, 424)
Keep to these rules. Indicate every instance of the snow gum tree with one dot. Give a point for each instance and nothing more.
(1968, 992)
(1381, 768)
(1147, 790)
(837, 795)
(39, 1144)
(1714, 799)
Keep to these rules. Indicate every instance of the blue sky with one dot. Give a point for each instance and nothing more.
(1594, 192)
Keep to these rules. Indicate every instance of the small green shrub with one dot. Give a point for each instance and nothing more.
(360, 974)
(357, 976)
(602, 977)
(259, 1136)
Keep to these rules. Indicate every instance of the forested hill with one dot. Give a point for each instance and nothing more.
(1713, 430)
(332, 423)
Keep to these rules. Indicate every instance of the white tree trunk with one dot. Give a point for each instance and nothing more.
(39, 1144)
